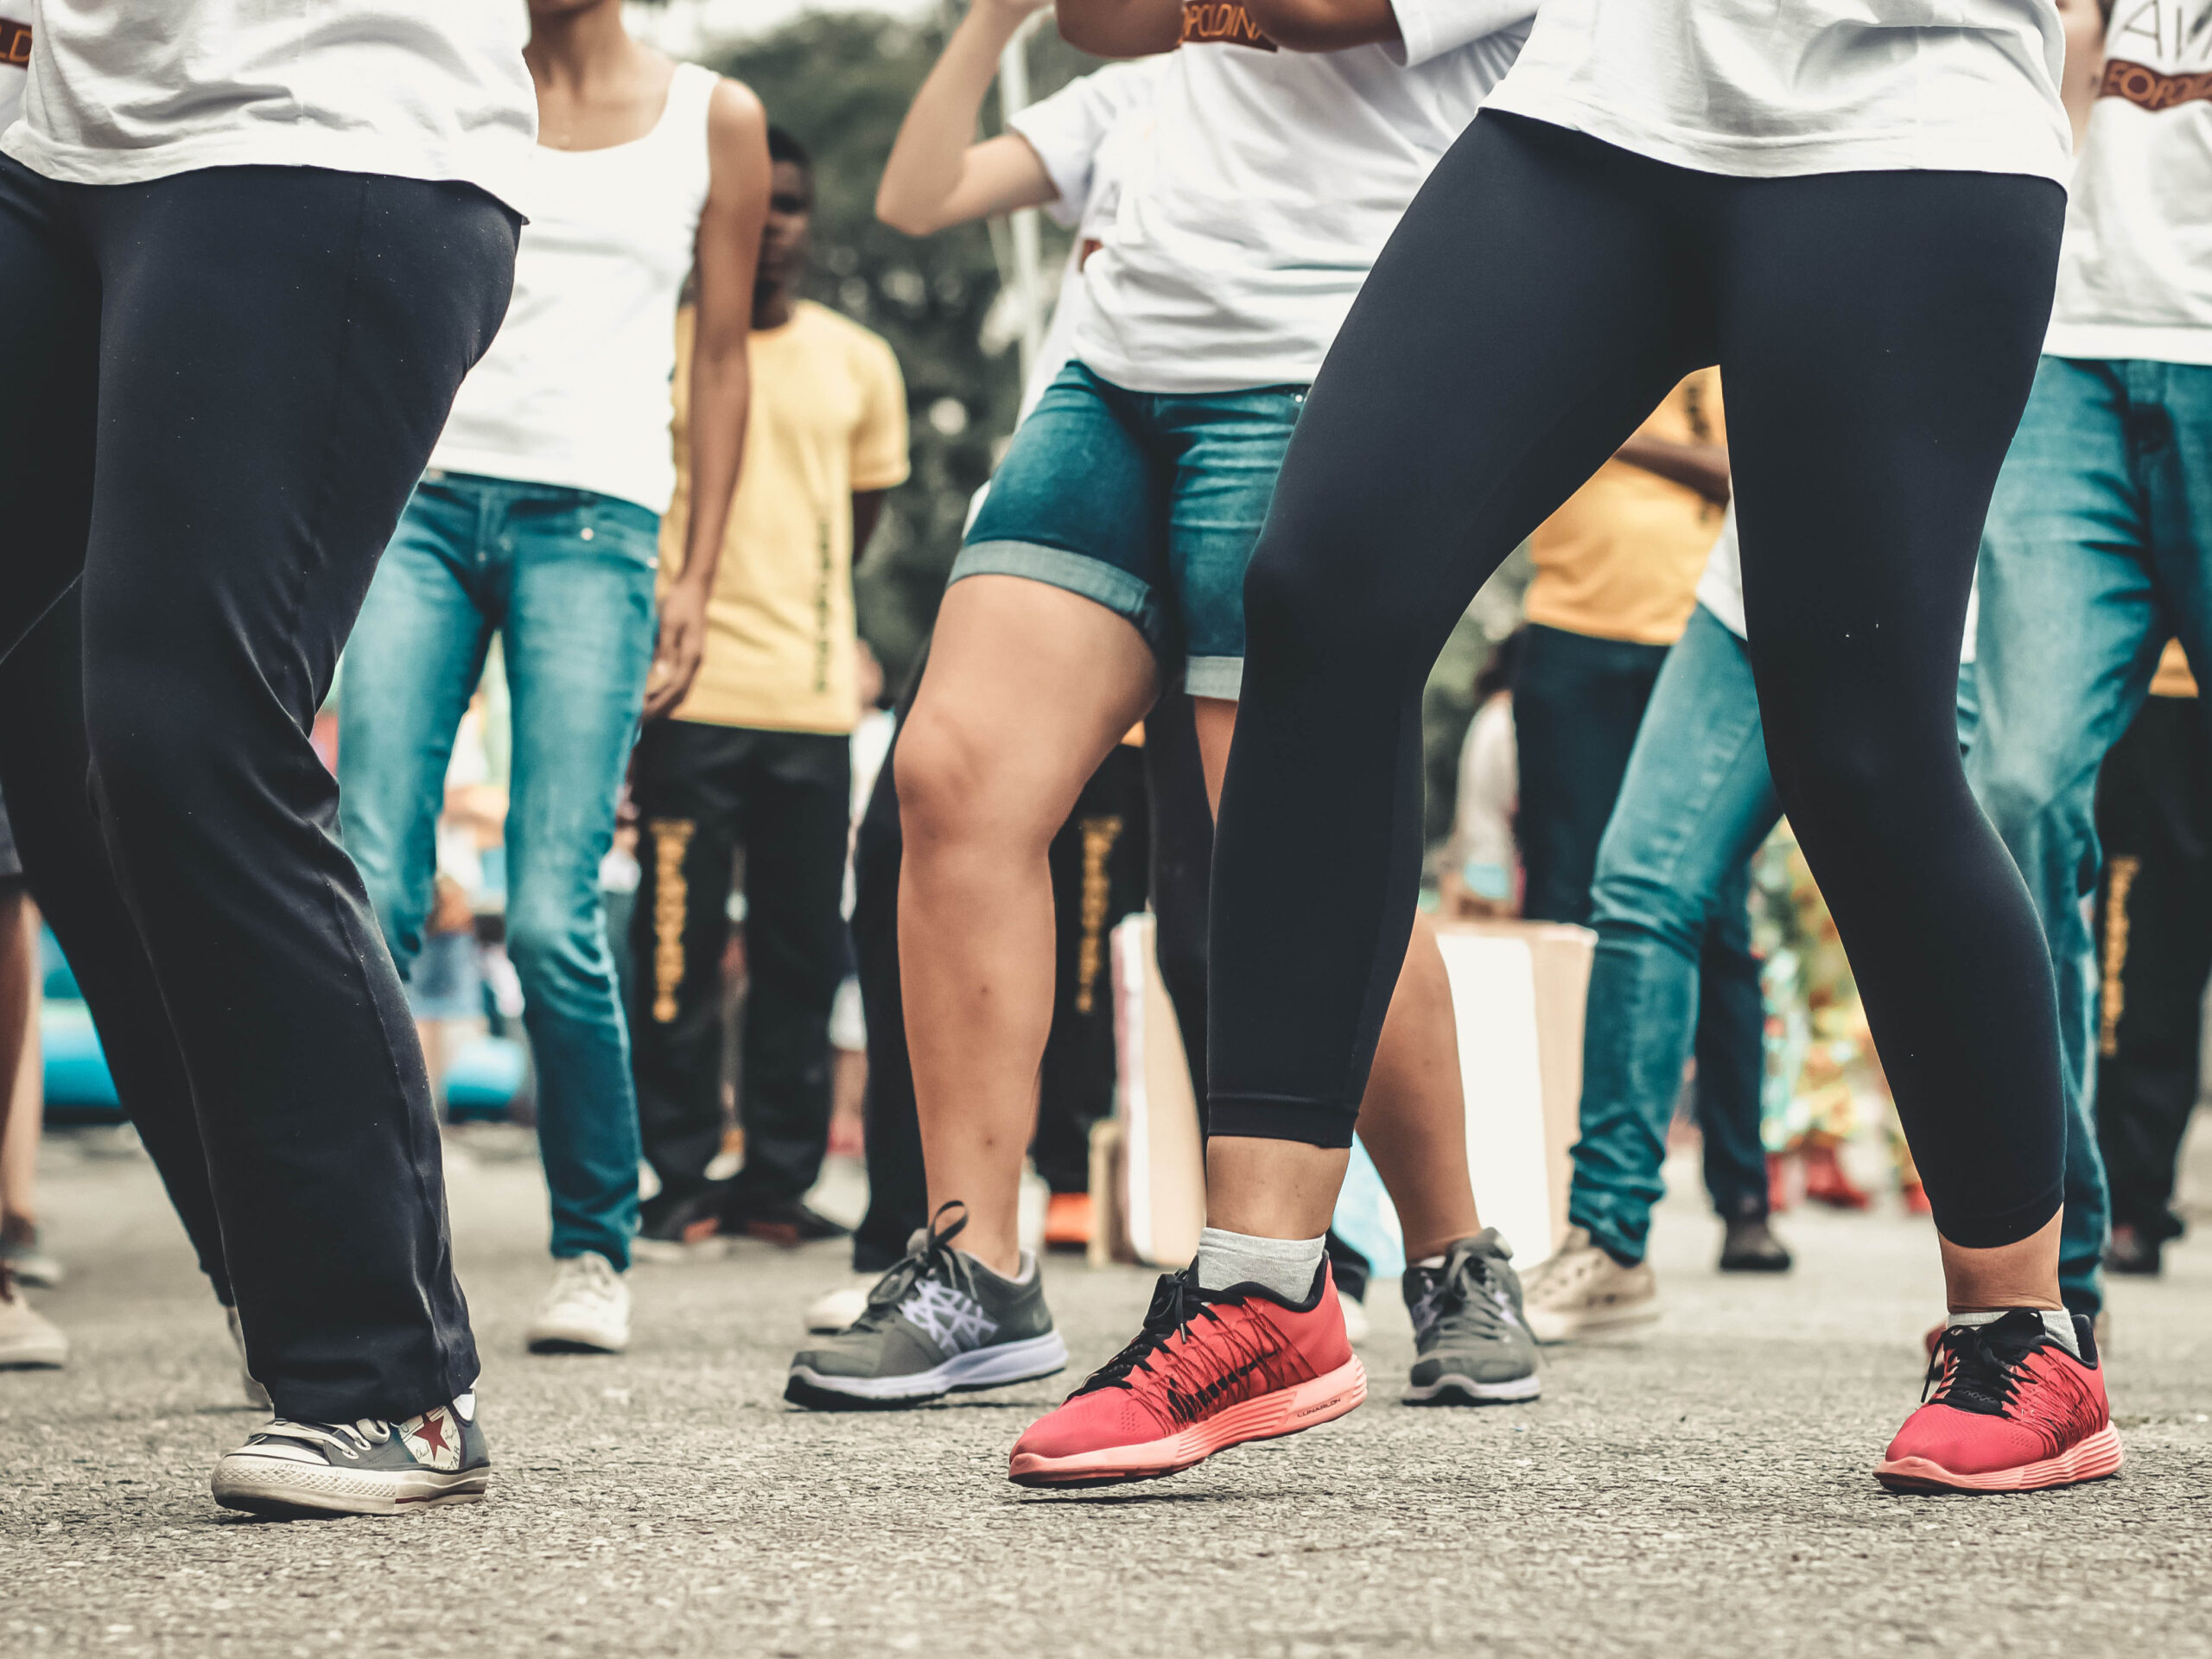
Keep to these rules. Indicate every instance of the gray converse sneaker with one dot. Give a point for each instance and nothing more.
(1582, 1291)
(939, 1323)
(368, 1467)
(1472, 1346)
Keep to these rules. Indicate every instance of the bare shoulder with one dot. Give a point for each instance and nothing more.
(735, 112)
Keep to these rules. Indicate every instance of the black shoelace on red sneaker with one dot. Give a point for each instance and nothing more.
(1985, 1363)
(1177, 1301)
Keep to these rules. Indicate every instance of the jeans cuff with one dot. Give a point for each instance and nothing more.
(1214, 677)
(1129, 597)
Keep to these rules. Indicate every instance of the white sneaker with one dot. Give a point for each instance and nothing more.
(27, 1338)
(1582, 1290)
(587, 1311)
(835, 1310)
(256, 1395)
(1357, 1326)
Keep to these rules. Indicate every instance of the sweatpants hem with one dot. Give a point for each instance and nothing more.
(1277, 1117)
(2010, 1226)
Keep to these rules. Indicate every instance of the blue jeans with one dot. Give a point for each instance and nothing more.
(2098, 547)
(565, 578)
(1149, 503)
(1697, 802)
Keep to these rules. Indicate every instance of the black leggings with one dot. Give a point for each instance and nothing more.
(1878, 333)
(221, 386)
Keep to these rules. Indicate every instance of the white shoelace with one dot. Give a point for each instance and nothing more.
(348, 1439)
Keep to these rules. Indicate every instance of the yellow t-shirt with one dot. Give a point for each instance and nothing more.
(827, 420)
(1621, 559)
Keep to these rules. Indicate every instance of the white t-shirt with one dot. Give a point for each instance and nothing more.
(575, 390)
(1768, 88)
(123, 91)
(14, 64)
(2135, 279)
(1720, 589)
(1271, 182)
(1083, 134)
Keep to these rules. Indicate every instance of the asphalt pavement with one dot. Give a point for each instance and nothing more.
(1700, 1489)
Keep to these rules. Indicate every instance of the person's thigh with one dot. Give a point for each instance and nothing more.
(410, 667)
(2068, 627)
(1529, 312)
(1864, 452)
(1077, 504)
(1225, 450)
(577, 638)
(49, 362)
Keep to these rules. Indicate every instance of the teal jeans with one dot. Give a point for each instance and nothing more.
(565, 578)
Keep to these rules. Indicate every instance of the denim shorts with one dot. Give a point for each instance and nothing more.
(1149, 503)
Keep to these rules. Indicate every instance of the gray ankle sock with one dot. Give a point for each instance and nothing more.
(2058, 1321)
(1284, 1266)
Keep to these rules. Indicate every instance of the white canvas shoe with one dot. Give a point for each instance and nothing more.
(28, 1340)
(585, 1312)
(1582, 1291)
(835, 1310)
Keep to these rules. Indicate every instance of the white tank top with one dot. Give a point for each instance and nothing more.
(575, 390)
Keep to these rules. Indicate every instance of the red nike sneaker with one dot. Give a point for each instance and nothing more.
(2012, 1411)
(1210, 1369)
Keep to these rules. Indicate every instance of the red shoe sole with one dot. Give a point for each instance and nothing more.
(1286, 1411)
(2093, 1459)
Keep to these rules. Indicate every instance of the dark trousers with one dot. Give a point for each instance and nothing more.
(704, 792)
(1578, 702)
(2154, 928)
(273, 351)
(1098, 864)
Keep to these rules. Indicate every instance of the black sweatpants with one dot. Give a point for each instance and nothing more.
(1878, 333)
(272, 351)
(785, 798)
(2154, 934)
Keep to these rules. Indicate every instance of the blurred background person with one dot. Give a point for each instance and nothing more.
(756, 758)
(2154, 934)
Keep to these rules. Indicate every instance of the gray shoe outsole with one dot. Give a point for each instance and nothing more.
(1455, 1390)
(1001, 1366)
(282, 1491)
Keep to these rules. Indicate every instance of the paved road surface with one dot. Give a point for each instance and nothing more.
(1701, 1491)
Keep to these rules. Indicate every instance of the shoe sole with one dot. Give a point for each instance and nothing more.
(999, 1367)
(2095, 1459)
(575, 1340)
(1285, 1411)
(292, 1491)
(40, 1358)
(1755, 1264)
(1551, 1329)
(1453, 1389)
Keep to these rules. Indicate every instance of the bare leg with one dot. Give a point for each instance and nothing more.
(1028, 689)
(21, 1093)
(1413, 1118)
(2023, 1275)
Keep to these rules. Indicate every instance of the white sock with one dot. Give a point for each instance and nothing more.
(1028, 1269)
(1284, 1266)
(2056, 1321)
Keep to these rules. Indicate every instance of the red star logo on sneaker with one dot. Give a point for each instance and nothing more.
(432, 1432)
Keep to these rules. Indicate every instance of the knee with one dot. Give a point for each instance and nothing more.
(1628, 902)
(1311, 601)
(954, 789)
(2027, 799)
(553, 948)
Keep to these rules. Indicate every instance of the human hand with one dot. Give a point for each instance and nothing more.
(678, 650)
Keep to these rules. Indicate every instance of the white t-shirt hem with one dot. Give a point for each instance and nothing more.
(2130, 342)
(1158, 377)
(360, 152)
(486, 463)
(1948, 150)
